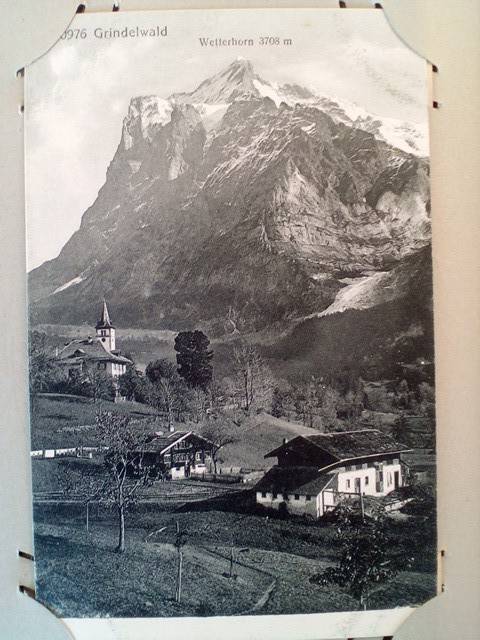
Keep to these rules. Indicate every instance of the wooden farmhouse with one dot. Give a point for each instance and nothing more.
(314, 472)
(179, 454)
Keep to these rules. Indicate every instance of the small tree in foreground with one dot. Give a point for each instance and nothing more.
(365, 553)
(123, 463)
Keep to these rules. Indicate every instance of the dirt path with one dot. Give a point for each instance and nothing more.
(219, 563)
(263, 600)
(239, 566)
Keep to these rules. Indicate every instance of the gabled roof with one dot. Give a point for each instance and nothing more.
(104, 322)
(88, 349)
(162, 443)
(299, 480)
(344, 445)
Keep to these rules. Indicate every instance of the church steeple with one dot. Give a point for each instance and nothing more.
(105, 329)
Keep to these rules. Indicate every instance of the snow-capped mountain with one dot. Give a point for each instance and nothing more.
(240, 80)
(410, 137)
(242, 194)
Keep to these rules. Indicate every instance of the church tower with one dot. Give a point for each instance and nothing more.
(105, 329)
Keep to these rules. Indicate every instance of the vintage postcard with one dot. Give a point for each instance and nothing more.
(230, 305)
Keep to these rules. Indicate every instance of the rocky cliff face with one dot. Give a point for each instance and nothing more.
(239, 195)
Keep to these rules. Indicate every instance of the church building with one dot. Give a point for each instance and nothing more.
(98, 353)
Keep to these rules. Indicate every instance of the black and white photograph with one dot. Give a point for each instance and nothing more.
(232, 400)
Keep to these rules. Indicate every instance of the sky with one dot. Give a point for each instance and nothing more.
(78, 93)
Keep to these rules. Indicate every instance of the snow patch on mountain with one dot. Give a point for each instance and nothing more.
(360, 293)
(267, 90)
(411, 137)
(298, 192)
(70, 283)
(145, 115)
(211, 114)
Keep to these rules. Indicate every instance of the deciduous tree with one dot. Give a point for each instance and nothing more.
(317, 403)
(220, 431)
(166, 387)
(123, 463)
(254, 381)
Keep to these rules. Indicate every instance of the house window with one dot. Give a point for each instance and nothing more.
(365, 465)
(264, 495)
(198, 455)
(274, 496)
(285, 497)
(308, 497)
(297, 497)
(366, 479)
(348, 484)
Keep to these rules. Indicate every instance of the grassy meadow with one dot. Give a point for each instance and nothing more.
(62, 421)
(79, 574)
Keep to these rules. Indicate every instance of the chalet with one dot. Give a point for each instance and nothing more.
(97, 353)
(314, 472)
(179, 454)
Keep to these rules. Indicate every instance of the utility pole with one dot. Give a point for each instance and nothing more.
(230, 573)
(179, 542)
(178, 592)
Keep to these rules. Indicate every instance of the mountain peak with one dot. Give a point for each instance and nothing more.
(242, 63)
(226, 86)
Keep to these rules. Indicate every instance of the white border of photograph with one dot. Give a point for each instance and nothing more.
(456, 229)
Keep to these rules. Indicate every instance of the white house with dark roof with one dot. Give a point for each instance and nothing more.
(96, 352)
(314, 472)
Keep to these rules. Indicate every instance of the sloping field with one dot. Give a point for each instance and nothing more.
(79, 573)
(61, 420)
(263, 434)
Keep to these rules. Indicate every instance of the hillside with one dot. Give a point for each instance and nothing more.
(256, 438)
(62, 421)
(372, 343)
